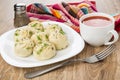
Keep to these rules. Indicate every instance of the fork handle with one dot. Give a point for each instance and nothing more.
(33, 74)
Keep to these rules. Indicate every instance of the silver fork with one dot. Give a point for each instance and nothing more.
(95, 58)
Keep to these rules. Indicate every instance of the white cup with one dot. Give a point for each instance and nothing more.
(97, 36)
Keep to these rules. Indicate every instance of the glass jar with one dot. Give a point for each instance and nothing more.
(20, 16)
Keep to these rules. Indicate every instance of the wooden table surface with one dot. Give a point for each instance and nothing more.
(108, 69)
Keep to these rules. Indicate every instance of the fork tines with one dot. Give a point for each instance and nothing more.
(103, 54)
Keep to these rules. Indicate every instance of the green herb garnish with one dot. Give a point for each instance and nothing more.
(28, 48)
(45, 44)
(16, 34)
(40, 24)
(62, 32)
(42, 30)
(54, 27)
(30, 32)
(17, 40)
(46, 36)
(38, 38)
(34, 25)
(39, 51)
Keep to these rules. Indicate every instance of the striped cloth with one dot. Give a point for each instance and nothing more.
(68, 13)
(117, 22)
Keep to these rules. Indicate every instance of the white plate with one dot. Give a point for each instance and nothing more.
(76, 45)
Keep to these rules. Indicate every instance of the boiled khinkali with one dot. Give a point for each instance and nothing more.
(39, 37)
(59, 39)
(24, 47)
(21, 34)
(35, 27)
(52, 28)
(43, 51)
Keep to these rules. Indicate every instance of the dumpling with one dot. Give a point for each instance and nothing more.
(21, 34)
(24, 47)
(39, 37)
(43, 51)
(52, 27)
(59, 39)
(35, 26)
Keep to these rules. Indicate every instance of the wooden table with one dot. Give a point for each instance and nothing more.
(109, 69)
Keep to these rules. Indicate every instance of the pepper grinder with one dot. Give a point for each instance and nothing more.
(20, 16)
